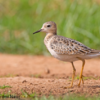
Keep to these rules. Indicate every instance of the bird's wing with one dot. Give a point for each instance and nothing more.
(63, 45)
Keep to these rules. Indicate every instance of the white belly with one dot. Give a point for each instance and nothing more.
(62, 57)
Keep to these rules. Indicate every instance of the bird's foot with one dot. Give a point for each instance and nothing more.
(81, 79)
(68, 87)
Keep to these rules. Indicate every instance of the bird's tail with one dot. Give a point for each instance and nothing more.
(94, 53)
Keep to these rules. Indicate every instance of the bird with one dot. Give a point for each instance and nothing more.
(66, 49)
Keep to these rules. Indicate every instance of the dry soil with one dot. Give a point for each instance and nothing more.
(47, 75)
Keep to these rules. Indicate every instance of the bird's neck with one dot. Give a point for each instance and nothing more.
(48, 37)
(52, 33)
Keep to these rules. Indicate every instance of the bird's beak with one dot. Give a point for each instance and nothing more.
(38, 31)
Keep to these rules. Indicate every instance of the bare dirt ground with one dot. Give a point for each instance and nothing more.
(47, 75)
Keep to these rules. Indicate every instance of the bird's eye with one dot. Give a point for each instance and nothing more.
(48, 25)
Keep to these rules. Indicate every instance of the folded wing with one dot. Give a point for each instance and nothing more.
(62, 45)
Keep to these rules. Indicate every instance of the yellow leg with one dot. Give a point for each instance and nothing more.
(81, 76)
(74, 70)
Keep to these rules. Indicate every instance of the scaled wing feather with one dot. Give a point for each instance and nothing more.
(62, 45)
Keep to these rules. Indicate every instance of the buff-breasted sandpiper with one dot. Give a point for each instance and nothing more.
(66, 49)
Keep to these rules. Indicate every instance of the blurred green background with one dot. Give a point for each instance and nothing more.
(76, 19)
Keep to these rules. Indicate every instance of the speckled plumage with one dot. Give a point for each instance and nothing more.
(62, 45)
(66, 46)
(66, 49)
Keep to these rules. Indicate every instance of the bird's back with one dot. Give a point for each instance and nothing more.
(66, 47)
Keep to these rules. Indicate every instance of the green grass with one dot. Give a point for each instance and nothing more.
(4, 86)
(26, 96)
(8, 95)
(77, 19)
(86, 78)
(71, 97)
(33, 96)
